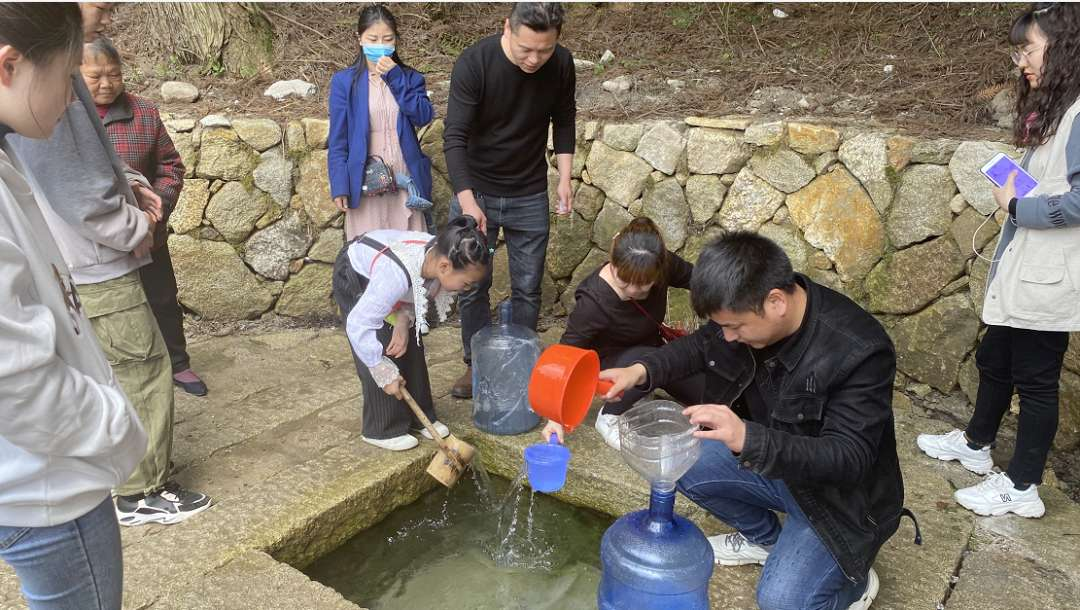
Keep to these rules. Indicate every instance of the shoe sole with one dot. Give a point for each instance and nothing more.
(873, 585)
(368, 441)
(1028, 510)
(739, 562)
(948, 456)
(187, 391)
(127, 520)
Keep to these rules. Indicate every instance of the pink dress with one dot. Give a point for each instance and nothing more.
(384, 211)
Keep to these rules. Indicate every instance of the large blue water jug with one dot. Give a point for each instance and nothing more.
(655, 560)
(503, 356)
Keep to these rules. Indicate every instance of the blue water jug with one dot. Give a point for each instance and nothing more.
(655, 560)
(503, 356)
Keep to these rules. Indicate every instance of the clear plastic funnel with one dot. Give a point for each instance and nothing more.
(658, 442)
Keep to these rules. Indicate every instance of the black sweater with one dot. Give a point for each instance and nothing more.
(497, 120)
(603, 322)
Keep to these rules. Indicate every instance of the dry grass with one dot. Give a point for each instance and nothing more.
(944, 56)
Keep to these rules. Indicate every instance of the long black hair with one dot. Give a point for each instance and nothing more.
(369, 16)
(463, 243)
(41, 30)
(1039, 110)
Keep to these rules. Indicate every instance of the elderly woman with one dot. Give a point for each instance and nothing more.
(140, 139)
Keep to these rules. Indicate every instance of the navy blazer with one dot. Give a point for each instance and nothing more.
(350, 123)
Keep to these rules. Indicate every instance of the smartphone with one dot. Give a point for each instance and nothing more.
(999, 168)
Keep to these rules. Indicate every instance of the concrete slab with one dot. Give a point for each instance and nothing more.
(277, 444)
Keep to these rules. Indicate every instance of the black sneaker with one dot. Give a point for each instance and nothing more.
(168, 505)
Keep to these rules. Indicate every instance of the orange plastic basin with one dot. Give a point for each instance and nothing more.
(564, 382)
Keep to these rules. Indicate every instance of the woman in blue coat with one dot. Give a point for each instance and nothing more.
(376, 105)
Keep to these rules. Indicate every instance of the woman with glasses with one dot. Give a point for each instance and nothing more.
(1032, 298)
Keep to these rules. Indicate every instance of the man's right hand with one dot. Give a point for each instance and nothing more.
(469, 206)
(623, 379)
(342, 203)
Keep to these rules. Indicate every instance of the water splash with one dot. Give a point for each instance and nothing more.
(520, 547)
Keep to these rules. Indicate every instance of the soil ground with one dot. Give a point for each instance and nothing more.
(823, 59)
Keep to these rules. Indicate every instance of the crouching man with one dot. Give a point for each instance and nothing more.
(800, 380)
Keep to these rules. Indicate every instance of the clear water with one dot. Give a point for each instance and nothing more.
(507, 548)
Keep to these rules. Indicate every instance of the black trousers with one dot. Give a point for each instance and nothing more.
(1028, 361)
(688, 390)
(159, 282)
(383, 415)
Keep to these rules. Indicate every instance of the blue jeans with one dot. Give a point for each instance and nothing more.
(525, 223)
(72, 566)
(800, 572)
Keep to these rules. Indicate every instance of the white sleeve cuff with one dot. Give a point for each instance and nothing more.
(385, 372)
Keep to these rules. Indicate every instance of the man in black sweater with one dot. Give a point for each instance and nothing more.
(801, 379)
(505, 91)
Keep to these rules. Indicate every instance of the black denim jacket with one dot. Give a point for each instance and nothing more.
(830, 433)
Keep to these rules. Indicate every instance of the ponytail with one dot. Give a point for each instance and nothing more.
(463, 243)
(638, 253)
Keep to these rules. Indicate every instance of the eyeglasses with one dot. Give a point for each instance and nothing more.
(1019, 55)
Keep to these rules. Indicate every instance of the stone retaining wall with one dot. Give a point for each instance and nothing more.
(883, 217)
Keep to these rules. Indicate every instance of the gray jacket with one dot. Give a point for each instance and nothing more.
(84, 193)
(1035, 281)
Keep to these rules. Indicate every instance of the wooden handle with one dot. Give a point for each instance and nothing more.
(430, 428)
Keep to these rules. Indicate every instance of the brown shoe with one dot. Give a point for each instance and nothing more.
(463, 386)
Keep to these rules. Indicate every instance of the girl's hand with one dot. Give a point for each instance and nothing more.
(399, 342)
(394, 388)
(384, 65)
(1003, 195)
(342, 203)
(552, 428)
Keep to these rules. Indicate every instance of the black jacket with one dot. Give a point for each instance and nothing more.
(829, 435)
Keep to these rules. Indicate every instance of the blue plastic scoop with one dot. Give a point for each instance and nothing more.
(546, 464)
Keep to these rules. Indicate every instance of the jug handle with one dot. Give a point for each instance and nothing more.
(554, 439)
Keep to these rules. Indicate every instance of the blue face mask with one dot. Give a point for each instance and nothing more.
(373, 52)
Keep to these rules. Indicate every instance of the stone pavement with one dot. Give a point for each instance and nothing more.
(277, 444)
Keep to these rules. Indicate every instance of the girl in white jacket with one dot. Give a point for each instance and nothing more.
(67, 432)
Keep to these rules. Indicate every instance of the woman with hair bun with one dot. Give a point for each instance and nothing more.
(620, 311)
(383, 283)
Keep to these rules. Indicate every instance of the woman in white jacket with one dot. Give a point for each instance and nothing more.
(1032, 298)
(67, 433)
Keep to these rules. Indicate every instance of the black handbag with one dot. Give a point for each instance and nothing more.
(378, 178)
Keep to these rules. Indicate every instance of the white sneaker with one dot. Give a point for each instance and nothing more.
(608, 427)
(735, 550)
(398, 443)
(953, 446)
(439, 427)
(997, 495)
(872, 586)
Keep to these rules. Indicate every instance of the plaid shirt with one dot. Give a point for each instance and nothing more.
(139, 137)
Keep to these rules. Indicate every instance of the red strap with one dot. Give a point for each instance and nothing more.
(645, 313)
(371, 269)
